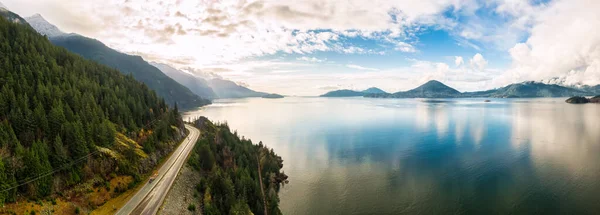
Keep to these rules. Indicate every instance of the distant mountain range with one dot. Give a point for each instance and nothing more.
(530, 89)
(436, 89)
(229, 89)
(212, 88)
(187, 89)
(352, 93)
(197, 85)
(92, 49)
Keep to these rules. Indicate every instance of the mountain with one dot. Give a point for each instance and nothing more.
(431, 89)
(229, 89)
(530, 89)
(592, 89)
(343, 93)
(196, 84)
(353, 93)
(68, 123)
(10, 16)
(373, 90)
(141, 70)
(436, 89)
(44, 27)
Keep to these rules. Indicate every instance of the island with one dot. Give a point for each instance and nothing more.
(583, 100)
(272, 96)
(353, 93)
(437, 89)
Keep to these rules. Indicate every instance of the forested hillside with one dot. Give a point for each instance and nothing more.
(231, 181)
(65, 120)
(141, 70)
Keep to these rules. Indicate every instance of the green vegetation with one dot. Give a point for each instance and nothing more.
(191, 207)
(65, 120)
(343, 93)
(141, 70)
(12, 17)
(577, 100)
(272, 96)
(583, 100)
(231, 181)
(352, 93)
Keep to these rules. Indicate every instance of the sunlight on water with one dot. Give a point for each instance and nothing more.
(390, 156)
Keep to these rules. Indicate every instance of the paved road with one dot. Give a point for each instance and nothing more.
(148, 200)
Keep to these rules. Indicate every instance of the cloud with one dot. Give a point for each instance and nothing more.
(405, 47)
(231, 30)
(311, 59)
(353, 66)
(564, 43)
(478, 62)
(458, 60)
(542, 39)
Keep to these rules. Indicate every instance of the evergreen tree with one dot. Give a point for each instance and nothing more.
(57, 108)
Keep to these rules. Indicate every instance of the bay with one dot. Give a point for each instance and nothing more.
(426, 156)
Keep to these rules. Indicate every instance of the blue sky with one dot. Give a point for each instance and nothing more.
(311, 46)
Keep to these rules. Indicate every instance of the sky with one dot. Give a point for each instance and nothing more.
(309, 47)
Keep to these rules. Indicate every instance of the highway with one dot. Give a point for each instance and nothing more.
(149, 198)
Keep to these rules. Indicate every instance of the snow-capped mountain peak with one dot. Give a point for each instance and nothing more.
(2, 6)
(44, 27)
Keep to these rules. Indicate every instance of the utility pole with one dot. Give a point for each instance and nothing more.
(262, 190)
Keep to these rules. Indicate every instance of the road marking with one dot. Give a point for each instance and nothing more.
(146, 195)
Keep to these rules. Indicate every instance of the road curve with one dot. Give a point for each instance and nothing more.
(149, 198)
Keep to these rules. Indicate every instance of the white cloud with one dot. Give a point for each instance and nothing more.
(554, 39)
(208, 32)
(311, 59)
(405, 47)
(458, 60)
(564, 43)
(353, 66)
(478, 62)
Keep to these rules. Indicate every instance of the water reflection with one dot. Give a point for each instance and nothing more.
(392, 156)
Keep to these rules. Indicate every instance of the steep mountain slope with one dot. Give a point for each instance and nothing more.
(95, 50)
(374, 90)
(197, 85)
(10, 16)
(431, 89)
(44, 27)
(229, 89)
(65, 121)
(141, 70)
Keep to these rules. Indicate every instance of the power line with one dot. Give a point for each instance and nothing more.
(27, 181)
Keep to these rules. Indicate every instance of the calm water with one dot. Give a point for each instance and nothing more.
(395, 156)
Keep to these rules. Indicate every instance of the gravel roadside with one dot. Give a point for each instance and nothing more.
(181, 194)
